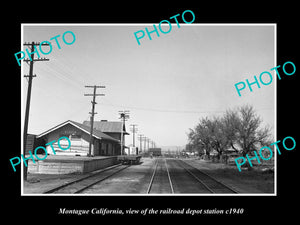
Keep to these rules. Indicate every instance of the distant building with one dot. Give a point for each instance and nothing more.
(104, 143)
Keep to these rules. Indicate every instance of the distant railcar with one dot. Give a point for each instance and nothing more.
(155, 151)
(129, 159)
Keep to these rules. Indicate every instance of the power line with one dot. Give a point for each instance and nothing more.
(173, 111)
(66, 73)
(161, 110)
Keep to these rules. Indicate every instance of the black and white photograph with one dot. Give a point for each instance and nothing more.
(178, 113)
(143, 112)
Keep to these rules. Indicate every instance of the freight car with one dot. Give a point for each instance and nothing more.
(129, 159)
(155, 151)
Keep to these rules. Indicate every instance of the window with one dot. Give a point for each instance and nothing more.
(76, 137)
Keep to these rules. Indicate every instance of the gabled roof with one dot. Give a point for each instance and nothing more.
(96, 133)
(107, 126)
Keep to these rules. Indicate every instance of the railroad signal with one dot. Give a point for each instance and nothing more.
(124, 116)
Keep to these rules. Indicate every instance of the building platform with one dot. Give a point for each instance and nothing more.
(62, 164)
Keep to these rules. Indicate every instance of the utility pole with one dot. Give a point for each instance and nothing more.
(145, 140)
(124, 115)
(140, 138)
(92, 114)
(30, 76)
(148, 143)
(133, 130)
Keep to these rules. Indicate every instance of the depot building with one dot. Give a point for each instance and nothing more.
(105, 142)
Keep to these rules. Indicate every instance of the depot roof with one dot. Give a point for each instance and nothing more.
(96, 133)
(107, 126)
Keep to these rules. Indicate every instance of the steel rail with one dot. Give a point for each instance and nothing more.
(200, 181)
(172, 190)
(98, 181)
(55, 189)
(152, 177)
(205, 174)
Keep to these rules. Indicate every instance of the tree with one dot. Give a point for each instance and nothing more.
(200, 137)
(216, 129)
(231, 122)
(194, 143)
(244, 132)
(239, 128)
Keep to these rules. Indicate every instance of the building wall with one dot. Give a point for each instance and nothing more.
(116, 146)
(79, 143)
(114, 135)
(71, 166)
(108, 148)
(79, 146)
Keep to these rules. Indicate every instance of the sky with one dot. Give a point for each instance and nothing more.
(167, 83)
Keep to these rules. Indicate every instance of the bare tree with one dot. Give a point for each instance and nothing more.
(209, 135)
(239, 128)
(194, 142)
(200, 138)
(216, 129)
(243, 130)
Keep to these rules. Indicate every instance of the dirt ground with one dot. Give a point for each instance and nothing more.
(245, 182)
(39, 183)
(253, 181)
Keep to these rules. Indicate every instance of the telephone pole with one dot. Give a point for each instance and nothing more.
(145, 139)
(154, 145)
(92, 113)
(148, 142)
(133, 130)
(124, 115)
(140, 138)
(30, 76)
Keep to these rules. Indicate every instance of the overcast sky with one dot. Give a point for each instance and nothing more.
(167, 83)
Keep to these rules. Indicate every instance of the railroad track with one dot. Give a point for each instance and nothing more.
(210, 183)
(81, 184)
(160, 181)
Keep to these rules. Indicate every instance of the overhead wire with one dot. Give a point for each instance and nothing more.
(63, 70)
